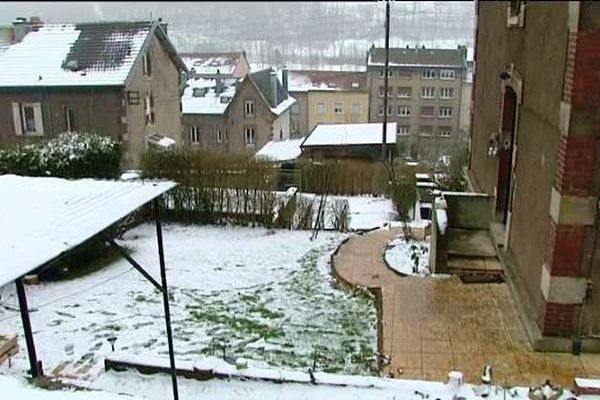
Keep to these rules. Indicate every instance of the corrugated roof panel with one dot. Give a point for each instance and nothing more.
(46, 217)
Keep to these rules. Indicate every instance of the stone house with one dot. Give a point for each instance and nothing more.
(327, 97)
(534, 146)
(236, 115)
(424, 98)
(115, 78)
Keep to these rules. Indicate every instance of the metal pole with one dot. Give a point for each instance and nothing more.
(163, 277)
(36, 367)
(385, 82)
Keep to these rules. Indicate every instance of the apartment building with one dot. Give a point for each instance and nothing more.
(424, 97)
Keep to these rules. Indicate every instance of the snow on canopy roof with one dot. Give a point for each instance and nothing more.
(415, 57)
(349, 134)
(284, 150)
(47, 217)
(93, 54)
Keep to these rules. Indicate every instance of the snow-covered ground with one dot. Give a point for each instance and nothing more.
(267, 296)
(366, 212)
(408, 258)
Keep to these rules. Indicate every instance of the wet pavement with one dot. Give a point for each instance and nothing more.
(434, 325)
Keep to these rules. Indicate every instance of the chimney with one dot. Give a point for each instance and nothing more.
(163, 25)
(284, 82)
(274, 88)
(21, 27)
(219, 86)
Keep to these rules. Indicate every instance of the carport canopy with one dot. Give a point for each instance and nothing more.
(42, 218)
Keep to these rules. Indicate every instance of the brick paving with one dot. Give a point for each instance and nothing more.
(434, 325)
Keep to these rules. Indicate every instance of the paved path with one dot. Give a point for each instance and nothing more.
(434, 325)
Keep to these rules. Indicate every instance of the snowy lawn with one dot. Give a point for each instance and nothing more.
(408, 258)
(266, 296)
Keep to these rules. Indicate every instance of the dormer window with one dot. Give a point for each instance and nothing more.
(515, 14)
(225, 99)
(355, 84)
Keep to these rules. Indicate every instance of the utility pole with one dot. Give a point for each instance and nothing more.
(385, 81)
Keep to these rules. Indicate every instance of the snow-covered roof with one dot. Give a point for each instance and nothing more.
(209, 63)
(161, 140)
(50, 216)
(416, 57)
(302, 81)
(95, 54)
(284, 105)
(284, 150)
(350, 134)
(207, 101)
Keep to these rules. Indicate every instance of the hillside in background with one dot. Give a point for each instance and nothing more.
(332, 35)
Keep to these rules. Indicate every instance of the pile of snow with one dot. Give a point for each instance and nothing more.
(408, 258)
(20, 390)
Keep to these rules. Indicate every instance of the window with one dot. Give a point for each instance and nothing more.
(356, 109)
(426, 130)
(226, 136)
(427, 93)
(405, 92)
(149, 108)
(382, 91)
(294, 126)
(445, 112)
(382, 73)
(403, 129)
(427, 111)
(447, 74)
(250, 136)
(280, 133)
(445, 131)
(403, 111)
(390, 111)
(194, 134)
(446, 93)
(27, 118)
(219, 136)
(380, 111)
(295, 108)
(70, 123)
(147, 64)
(428, 74)
(338, 108)
(321, 108)
(515, 14)
(249, 108)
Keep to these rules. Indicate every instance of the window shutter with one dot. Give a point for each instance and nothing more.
(16, 109)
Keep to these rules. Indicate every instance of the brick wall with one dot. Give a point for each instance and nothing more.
(557, 319)
(575, 165)
(566, 242)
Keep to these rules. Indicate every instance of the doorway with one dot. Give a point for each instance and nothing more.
(505, 156)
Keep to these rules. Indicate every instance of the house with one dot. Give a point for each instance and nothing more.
(357, 141)
(327, 97)
(207, 65)
(424, 97)
(236, 115)
(114, 78)
(534, 147)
